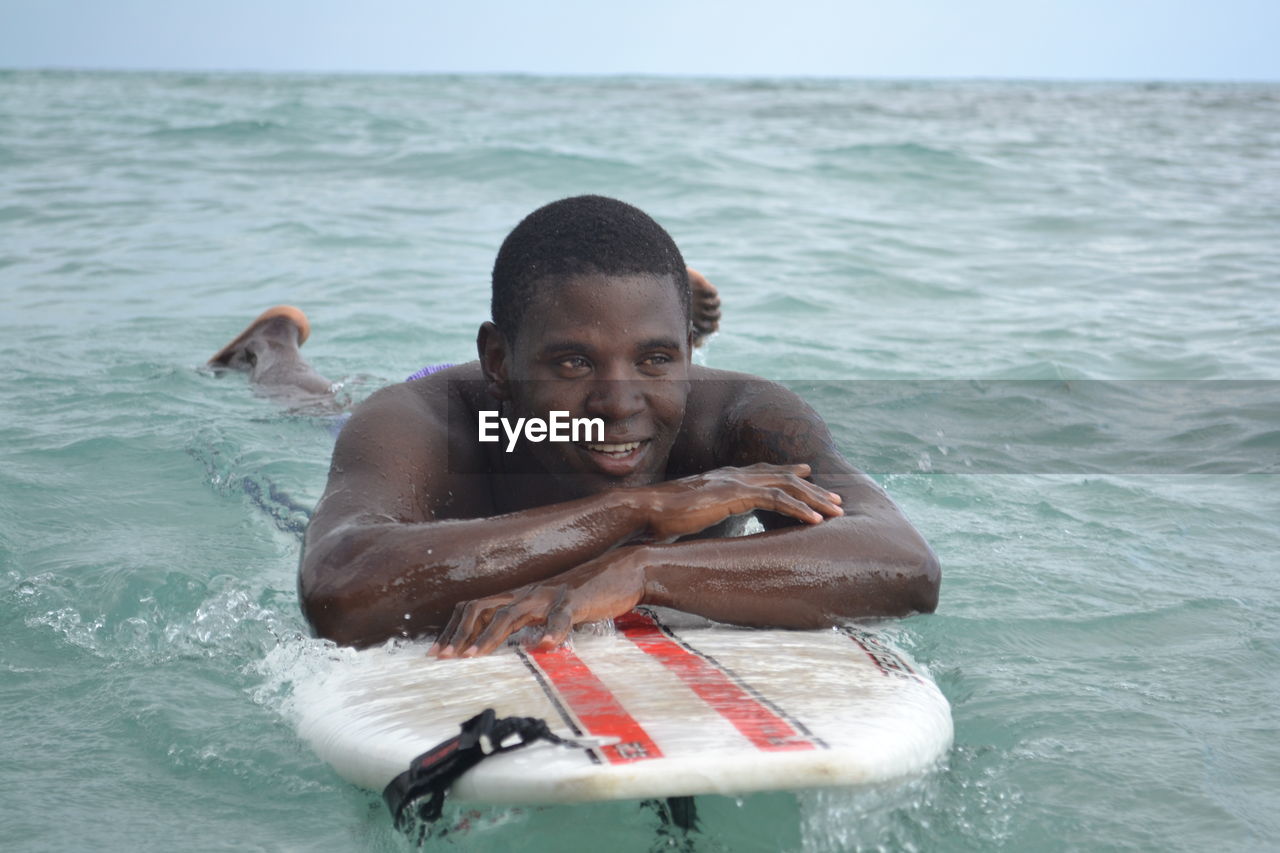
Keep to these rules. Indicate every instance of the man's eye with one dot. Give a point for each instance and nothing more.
(656, 360)
(575, 362)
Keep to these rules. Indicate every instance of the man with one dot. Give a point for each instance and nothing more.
(426, 529)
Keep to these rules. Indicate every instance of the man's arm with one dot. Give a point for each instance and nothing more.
(869, 561)
(875, 562)
(380, 561)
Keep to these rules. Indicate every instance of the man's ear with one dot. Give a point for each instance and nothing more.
(491, 344)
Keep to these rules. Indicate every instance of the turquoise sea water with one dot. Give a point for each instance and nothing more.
(1108, 627)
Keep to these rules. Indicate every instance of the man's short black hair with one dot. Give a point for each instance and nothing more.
(584, 235)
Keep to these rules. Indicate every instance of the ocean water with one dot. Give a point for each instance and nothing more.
(1043, 315)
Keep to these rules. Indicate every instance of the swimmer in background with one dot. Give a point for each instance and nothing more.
(269, 349)
(425, 530)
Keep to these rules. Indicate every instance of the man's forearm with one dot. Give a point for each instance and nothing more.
(363, 582)
(802, 577)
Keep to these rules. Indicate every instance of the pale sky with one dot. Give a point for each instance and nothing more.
(1072, 39)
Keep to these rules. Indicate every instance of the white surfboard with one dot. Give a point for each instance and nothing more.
(660, 707)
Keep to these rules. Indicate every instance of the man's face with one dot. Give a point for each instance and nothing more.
(608, 347)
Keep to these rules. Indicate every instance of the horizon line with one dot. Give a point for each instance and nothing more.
(662, 75)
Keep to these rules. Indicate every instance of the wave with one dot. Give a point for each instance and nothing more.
(227, 131)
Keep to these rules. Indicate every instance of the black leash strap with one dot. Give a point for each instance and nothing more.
(431, 774)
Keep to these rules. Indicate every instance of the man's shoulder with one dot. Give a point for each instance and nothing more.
(394, 403)
(724, 409)
(421, 409)
(410, 438)
(729, 394)
(744, 419)
(431, 397)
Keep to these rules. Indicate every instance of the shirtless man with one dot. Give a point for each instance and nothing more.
(424, 529)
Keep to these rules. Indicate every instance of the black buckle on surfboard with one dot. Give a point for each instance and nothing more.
(431, 774)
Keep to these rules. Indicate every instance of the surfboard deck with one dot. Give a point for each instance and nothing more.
(666, 705)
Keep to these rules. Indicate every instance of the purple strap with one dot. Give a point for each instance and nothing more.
(428, 370)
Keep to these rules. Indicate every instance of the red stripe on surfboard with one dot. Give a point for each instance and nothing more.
(595, 706)
(756, 721)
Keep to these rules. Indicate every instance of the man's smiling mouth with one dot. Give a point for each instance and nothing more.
(615, 458)
(617, 450)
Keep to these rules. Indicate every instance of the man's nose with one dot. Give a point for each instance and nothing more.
(615, 399)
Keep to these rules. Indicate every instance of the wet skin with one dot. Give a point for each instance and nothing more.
(424, 530)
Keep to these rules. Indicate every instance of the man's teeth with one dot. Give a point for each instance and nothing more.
(615, 449)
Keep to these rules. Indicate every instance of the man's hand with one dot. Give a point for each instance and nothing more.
(705, 307)
(602, 588)
(692, 504)
(613, 583)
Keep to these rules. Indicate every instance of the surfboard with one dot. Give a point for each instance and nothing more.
(662, 705)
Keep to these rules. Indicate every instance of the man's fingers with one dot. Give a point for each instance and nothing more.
(695, 503)
(827, 503)
(499, 620)
(706, 304)
(444, 643)
(559, 624)
(799, 469)
(505, 622)
(785, 504)
(469, 617)
(791, 479)
(698, 282)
